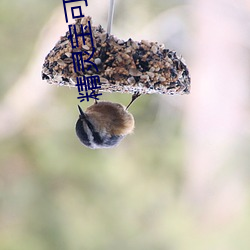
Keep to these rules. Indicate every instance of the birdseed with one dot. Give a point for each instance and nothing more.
(123, 66)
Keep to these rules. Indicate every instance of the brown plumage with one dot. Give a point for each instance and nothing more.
(111, 117)
(104, 125)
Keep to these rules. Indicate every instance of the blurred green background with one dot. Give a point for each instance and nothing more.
(180, 182)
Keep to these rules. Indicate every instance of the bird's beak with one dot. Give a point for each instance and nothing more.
(82, 115)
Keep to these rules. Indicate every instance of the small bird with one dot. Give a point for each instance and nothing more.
(104, 124)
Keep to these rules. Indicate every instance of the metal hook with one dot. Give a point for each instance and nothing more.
(110, 15)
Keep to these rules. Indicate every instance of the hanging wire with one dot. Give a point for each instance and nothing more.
(110, 15)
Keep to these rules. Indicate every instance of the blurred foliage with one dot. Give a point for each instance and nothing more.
(20, 24)
(56, 194)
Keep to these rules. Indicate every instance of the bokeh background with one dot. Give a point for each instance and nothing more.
(180, 182)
